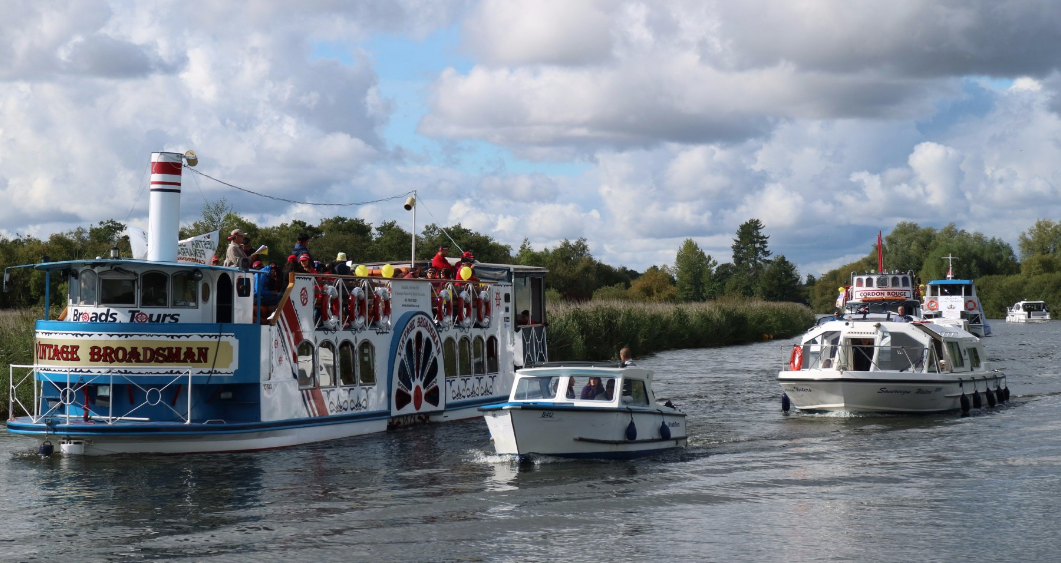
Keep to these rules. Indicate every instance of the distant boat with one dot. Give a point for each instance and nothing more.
(1028, 312)
(584, 411)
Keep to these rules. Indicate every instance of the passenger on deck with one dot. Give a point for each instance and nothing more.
(440, 262)
(524, 318)
(592, 388)
(609, 391)
(267, 296)
(300, 245)
(341, 267)
(235, 256)
(900, 314)
(305, 265)
(415, 273)
(571, 388)
(626, 359)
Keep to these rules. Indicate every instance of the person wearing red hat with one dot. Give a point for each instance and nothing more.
(236, 257)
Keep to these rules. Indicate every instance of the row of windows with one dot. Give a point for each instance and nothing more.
(349, 365)
(156, 289)
(884, 281)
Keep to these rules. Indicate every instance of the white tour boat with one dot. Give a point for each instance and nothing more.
(167, 356)
(875, 361)
(955, 299)
(589, 411)
(1028, 312)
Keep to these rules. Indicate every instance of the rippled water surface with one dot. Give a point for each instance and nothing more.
(753, 485)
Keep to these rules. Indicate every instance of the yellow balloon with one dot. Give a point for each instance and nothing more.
(841, 289)
(361, 270)
(465, 272)
(388, 271)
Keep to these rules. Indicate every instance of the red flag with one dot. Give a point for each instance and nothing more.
(880, 254)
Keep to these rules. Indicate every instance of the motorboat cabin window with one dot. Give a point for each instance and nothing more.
(830, 344)
(533, 388)
(87, 282)
(326, 371)
(634, 393)
(869, 282)
(906, 281)
(861, 353)
(366, 363)
(478, 361)
(73, 287)
(347, 376)
(593, 388)
(491, 355)
(974, 358)
(184, 290)
(464, 356)
(955, 351)
(882, 281)
(903, 353)
(895, 281)
(206, 293)
(154, 289)
(305, 365)
(450, 356)
(116, 288)
(858, 282)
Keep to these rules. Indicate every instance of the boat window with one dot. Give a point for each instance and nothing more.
(206, 292)
(478, 361)
(882, 281)
(154, 289)
(974, 358)
(491, 354)
(858, 282)
(88, 288)
(305, 365)
(634, 393)
(117, 289)
(861, 353)
(955, 354)
(904, 354)
(592, 387)
(184, 294)
(326, 372)
(464, 356)
(531, 388)
(366, 363)
(449, 356)
(906, 281)
(895, 281)
(73, 286)
(346, 356)
(869, 282)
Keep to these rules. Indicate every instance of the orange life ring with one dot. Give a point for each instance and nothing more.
(442, 312)
(357, 305)
(970, 304)
(931, 305)
(795, 362)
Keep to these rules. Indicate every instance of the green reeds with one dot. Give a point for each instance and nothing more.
(16, 347)
(596, 330)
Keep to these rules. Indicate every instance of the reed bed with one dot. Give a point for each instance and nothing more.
(596, 330)
(16, 347)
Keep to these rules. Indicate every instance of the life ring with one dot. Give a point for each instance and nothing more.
(358, 307)
(932, 305)
(795, 362)
(482, 308)
(443, 311)
(330, 308)
(383, 309)
(970, 305)
(464, 309)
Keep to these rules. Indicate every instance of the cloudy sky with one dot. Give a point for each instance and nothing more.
(634, 124)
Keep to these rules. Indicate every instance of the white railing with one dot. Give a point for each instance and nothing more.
(869, 357)
(68, 394)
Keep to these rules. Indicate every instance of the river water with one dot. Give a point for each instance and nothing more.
(753, 485)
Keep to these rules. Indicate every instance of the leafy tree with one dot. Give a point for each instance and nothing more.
(906, 246)
(655, 285)
(485, 248)
(616, 292)
(1044, 237)
(976, 255)
(693, 270)
(780, 281)
(212, 219)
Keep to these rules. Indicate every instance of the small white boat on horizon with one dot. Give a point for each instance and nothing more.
(573, 410)
(1028, 312)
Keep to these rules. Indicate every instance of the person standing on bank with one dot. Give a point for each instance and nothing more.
(236, 256)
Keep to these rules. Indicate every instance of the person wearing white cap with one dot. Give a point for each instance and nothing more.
(236, 256)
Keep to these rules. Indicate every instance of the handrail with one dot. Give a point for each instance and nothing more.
(841, 357)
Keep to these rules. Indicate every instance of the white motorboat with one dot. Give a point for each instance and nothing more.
(1028, 312)
(955, 299)
(573, 410)
(873, 360)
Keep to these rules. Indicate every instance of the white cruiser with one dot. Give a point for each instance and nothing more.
(160, 355)
(584, 410)
(874, 360)
(1028, 312)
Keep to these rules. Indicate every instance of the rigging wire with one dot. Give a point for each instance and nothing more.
(355, 203)
(443, 229)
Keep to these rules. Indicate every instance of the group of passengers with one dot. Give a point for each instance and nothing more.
(594, 390)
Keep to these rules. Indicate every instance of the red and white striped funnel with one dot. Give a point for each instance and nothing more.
(165, 208)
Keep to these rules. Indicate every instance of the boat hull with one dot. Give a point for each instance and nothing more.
(566, 431)
(869, 392)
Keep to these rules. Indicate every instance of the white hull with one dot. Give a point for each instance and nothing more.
(880, 392)
(589, 432)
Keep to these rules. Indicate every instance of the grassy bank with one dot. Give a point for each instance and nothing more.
(598, 329)
(16, 347)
